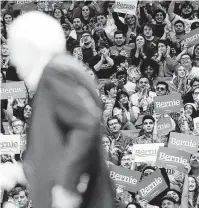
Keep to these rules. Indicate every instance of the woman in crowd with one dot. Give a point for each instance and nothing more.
(138, 54)
(7, 20)
(180, 82)
(163, 58)
(58, 15)
(86, 15)
(123, 110)
(195, 56)
(194, 163)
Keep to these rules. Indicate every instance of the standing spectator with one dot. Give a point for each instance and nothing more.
(107, 26)
(86, 15)
(159, 17)
(4, 57)
(58, 15)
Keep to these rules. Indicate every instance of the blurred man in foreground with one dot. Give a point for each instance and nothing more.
(63, 163)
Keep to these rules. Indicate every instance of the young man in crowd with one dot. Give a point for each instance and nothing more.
(77, 32)
(20, 197)
(120, 48)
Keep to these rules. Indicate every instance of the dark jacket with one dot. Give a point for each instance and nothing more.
(64, 139)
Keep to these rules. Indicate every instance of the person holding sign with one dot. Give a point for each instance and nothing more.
(66, 121)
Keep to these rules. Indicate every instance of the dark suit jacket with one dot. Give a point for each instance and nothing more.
(64, 139)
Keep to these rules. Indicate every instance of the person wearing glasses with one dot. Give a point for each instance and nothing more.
(17, 127)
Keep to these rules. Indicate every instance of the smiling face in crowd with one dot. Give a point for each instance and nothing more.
(123, 99)
(148, 125)
(159, 18)
(188, 109)
(194, 161)
(8, 19)
(119, 39)
(114, 125)
(130, 19)
(192, 184)
(113, 92)
(185, 60)
(105, 141)
(187, 10)
(173, 195)
(17, 127)
(181, 71)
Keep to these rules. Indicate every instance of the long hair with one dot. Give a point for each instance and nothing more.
(122, 92)
(196, 191)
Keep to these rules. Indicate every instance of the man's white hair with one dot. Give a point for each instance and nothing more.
(41, 30)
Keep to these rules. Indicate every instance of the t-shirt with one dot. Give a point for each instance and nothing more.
(151, 47)
(106, 70)
(187, 22)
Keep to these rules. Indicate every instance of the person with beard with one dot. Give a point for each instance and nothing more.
(127, 161)
(120, 142)
(87, 47)
(108, 26)
(77, 32)
(70, 42)
(179, 28)
(186, 15)
(120, 48)
(159, 16)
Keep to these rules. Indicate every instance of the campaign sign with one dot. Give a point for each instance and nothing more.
(127, 178)
(168, 103)
(126, 7)
(171, 158)
(192, 38)
(196, 123)
(164, 126)
(186, 142)
(152, 186)
(133, 134)
(10, 143)
(13, 89)
(23, 142)
(145, 152)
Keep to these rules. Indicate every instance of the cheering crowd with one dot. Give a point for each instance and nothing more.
(136, 60)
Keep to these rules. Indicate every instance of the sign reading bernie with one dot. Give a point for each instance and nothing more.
(186, 142)
(127, 178)
(168, 103)
(126, 7)
(13, 89)
(152, 186)
(192, 38)
(171, 158)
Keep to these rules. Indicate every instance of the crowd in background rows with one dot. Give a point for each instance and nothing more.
(132, 58)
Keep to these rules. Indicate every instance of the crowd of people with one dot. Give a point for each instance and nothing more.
(133, 59)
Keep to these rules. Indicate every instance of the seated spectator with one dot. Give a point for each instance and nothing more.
(150, 40)
(123, 110)
(120, 48)
(107, 26)
(70, 42)
(58, 15)
(159, 17)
